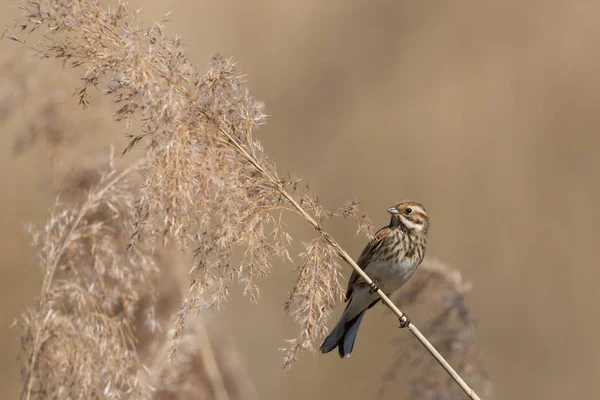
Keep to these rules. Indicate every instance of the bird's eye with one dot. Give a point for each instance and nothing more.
(408, 210)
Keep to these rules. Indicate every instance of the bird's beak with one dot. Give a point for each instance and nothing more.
(393, 210)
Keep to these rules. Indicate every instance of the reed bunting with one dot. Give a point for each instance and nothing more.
(389, 259)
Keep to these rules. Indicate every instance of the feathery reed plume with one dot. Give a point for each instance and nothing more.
(206, 181)
(313, 296)
(207, 184)
(216, 373)
(94, 326)
(89, 297)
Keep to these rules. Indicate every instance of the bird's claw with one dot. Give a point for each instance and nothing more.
(374, 287)
(404, 321)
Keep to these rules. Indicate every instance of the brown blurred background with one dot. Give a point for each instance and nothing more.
(487, 113)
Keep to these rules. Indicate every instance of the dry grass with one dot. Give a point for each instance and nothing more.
(206, 186)
(89, 298)
(92, 306)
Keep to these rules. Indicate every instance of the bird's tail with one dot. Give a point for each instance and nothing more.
(343, 335)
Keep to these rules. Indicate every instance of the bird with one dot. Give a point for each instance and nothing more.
(389, 259)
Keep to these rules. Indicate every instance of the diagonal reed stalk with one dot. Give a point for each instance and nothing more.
(346, 257)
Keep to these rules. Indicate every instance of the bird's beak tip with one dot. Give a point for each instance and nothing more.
(393, 210)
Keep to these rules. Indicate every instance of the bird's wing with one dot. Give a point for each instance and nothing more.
(365, 258)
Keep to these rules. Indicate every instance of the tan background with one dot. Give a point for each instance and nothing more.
(487, 113)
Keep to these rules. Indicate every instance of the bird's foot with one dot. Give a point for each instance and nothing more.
(374, 287)
(404, 321)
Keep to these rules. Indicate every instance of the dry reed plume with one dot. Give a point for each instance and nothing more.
(206, 186)
(94, 332)
(89, 297)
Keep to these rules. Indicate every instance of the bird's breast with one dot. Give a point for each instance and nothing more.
(391, 275)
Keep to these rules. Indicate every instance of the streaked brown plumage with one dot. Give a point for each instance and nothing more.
(389, 259)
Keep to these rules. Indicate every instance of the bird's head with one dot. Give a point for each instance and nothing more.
(410, 215)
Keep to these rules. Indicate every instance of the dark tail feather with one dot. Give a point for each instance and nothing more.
(343, 335)
(336, 335)
(347, 344)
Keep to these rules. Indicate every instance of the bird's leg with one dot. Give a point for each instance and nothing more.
(374, 287)
(404, 321)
